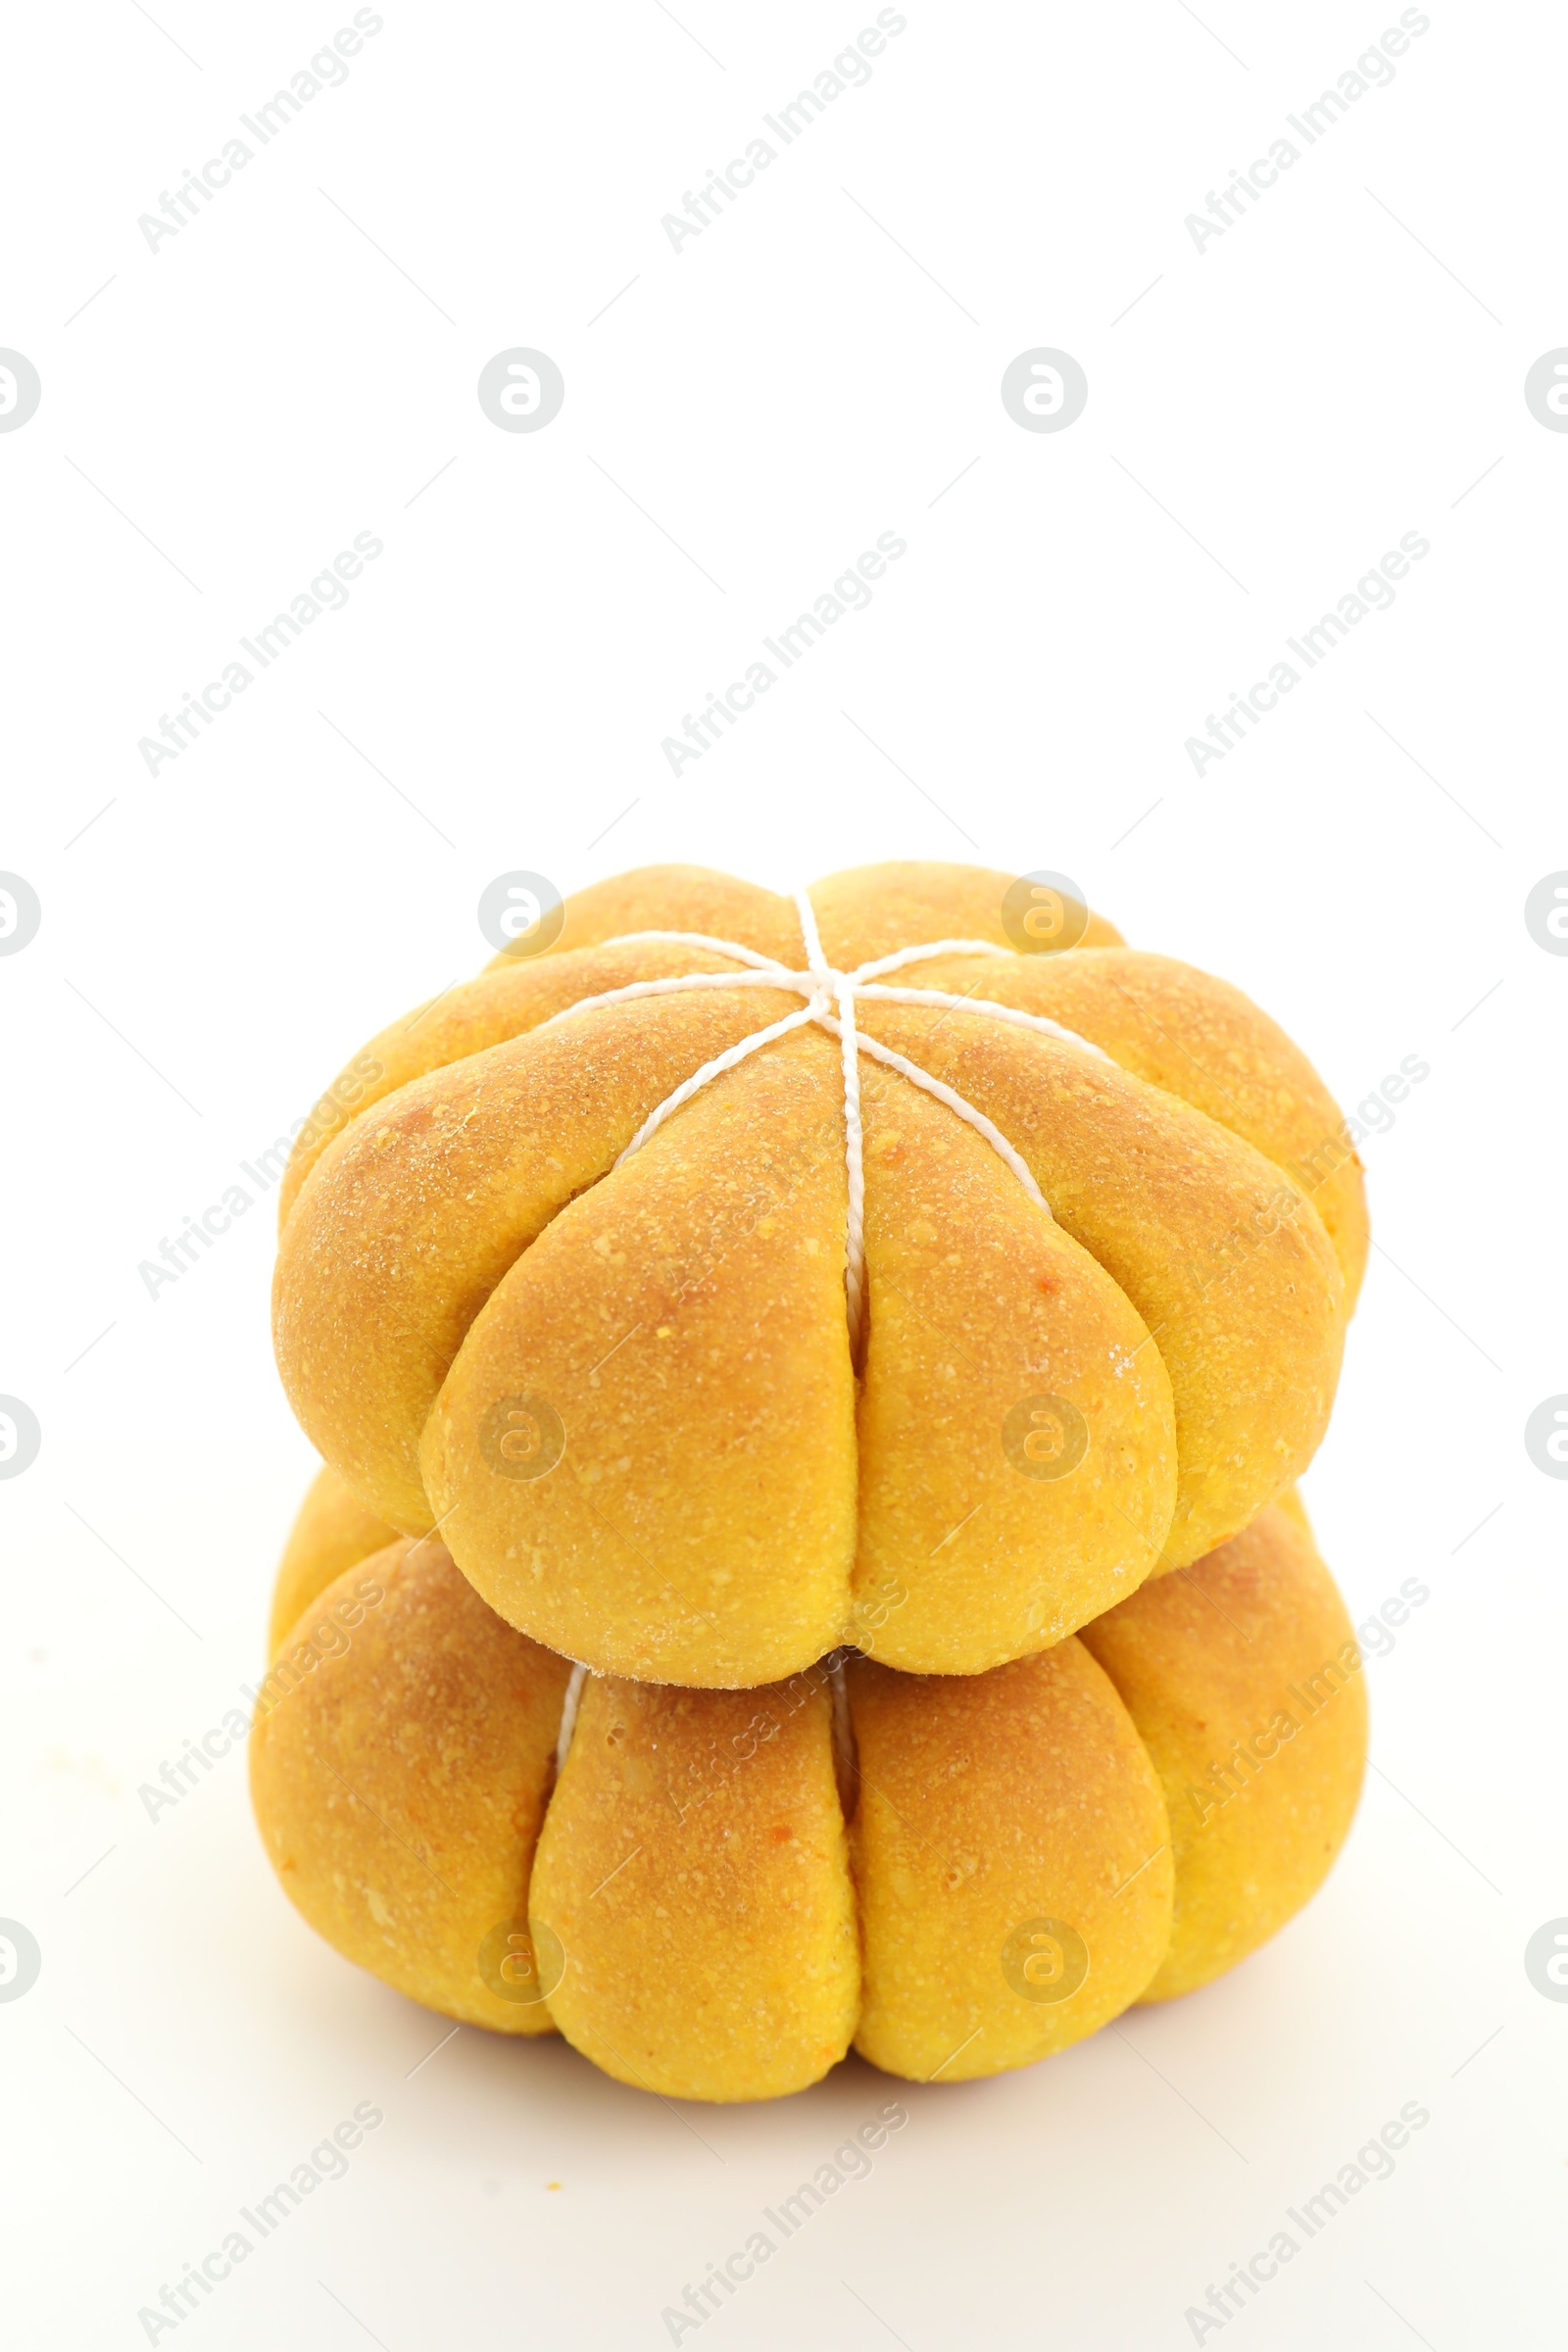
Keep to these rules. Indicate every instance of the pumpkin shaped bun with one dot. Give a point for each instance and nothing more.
(715, 1893)
(723, 1284)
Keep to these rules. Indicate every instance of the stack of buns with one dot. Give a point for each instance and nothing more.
(670, 1659)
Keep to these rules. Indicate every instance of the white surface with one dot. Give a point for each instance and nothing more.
(790, 385)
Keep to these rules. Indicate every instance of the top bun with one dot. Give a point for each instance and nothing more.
(687, 1418)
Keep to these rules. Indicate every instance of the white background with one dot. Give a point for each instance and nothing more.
(1343, 366)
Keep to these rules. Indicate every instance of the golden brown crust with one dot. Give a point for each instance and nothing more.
(694, 1873)
(506, 1000)
(684, 1323)
(1226, 1262)
(515, 992)
(1243, 1678)
(1295, 1509)
(1203, 1040)
(679, 898)
(332, 1530)
(1013, 1863)
(989, 1814)
(410, 1219)
(864, 913)
(399, 1780)
(999, 1350)
(870, 910)
(458, 1248)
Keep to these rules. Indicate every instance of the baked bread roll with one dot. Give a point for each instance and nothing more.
(715, 1894)
(699, 1394)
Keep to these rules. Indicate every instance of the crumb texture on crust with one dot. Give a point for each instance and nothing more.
(725, 1498)
(1224, 1260)
(401, 1761)
(694, 1873)
(1012, 1862)
(410, 1222)
(982, 1312)
(1203, 1040)
(1027, 1851)
(684, 1319)
(1245, 1680)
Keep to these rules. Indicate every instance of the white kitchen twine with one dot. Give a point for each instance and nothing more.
(571, 1700)
(824, 988)
(830, 1000)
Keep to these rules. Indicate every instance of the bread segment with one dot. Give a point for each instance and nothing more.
(694, 1876)
(681, 1332)
(1245, 1680)
(401, 1759)
(1017, 1437)
(1012, 1861)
